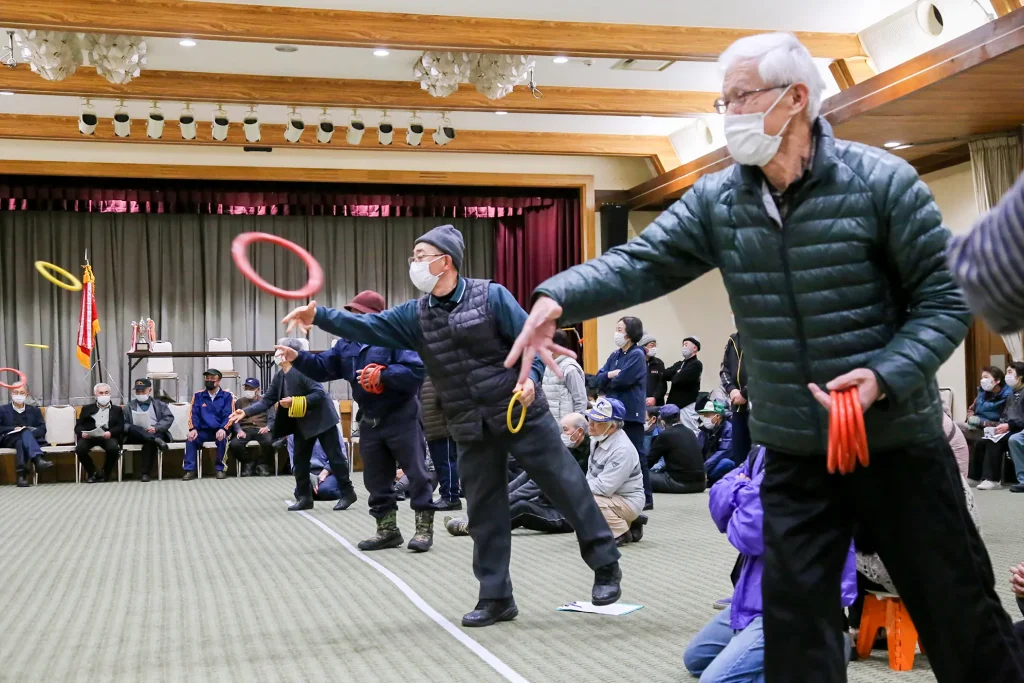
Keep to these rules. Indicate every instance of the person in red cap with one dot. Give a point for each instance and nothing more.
(390, 430)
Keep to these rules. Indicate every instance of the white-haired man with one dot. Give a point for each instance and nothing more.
(100, 424)
(832, 254)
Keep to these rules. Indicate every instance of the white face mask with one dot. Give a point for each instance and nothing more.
(620, 339)
(988, 383)
(19, 399)
(707, 423)
(567, 440)
(278, 359)
(142, 398)
(601, 437)
(249, 394)
(1011, 379)
(745, 137)
(422, 278)
(652, 352)
(687, 352)
(103, 400)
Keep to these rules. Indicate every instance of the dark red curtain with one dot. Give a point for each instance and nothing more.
(534, 244)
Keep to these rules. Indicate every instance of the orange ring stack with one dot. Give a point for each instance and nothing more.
(847, 439)
(370, 379)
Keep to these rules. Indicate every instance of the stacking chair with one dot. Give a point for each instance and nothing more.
(162, 368)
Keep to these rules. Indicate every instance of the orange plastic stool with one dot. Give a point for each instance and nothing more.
(887, 610)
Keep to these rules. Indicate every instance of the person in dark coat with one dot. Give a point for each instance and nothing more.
(147, 422)
(685, 378)
(99, 424)
(679, 461)
(319, 423)
(22, 428)
(734, 382)
(715, 439)
(657, 383)
(253, 428)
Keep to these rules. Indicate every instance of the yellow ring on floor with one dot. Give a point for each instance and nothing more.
(37, 346)
(73, 284)
(522, 415)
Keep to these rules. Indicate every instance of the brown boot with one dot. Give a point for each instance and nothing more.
(424, 537)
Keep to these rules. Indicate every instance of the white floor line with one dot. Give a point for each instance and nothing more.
(479, 650)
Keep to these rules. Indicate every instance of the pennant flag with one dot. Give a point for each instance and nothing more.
(88, 319)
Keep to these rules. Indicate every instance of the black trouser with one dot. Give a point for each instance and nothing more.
(662, 482)
(537, 516)
(910, 503)
(239, 448)
(740, 433)
(139, 435)
(303, 451)
(25, 446)
(538, 449)
(396, 441)
(635, 432)
(110, 448)
(987, 459)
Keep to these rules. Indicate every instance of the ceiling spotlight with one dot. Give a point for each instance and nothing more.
(325, 130)
(5, 93)
(501, 113)
(560, 59)
(251, 125)
(293, 131)
(87, 120)
(286, 48)
(445, 133)
(122, 121)
(187, 123)
(219, 129)
(380, 52)
(187, 42)
(155, 123)
(385, 130)
(415, 131)
(892, 145)
(356, 128)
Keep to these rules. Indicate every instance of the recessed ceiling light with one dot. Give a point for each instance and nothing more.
(5, 93)
(501, 113)
(380, 52)
(187, 42)
(560, 59)
(899, 147)
(286, 48)
(892, 145)
(646, 117)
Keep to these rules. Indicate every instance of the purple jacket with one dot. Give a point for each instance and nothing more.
(736, 508)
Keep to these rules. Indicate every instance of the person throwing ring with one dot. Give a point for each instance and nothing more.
(463, 329)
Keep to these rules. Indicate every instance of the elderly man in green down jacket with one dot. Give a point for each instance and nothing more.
(832, 255)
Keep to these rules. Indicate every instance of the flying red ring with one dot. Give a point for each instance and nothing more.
(19, 373)
(316, 274)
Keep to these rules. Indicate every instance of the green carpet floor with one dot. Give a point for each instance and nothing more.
(214, 581)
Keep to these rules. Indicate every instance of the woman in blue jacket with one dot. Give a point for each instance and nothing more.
(624, 377)
(987, 409)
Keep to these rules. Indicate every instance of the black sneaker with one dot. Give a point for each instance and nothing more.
(447, 504)
(190, 476)
(94, 478)
(247, 469)
(262, 471)
(1017, 488)
(221, 474)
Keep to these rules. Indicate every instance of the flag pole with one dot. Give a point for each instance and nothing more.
(96, 347)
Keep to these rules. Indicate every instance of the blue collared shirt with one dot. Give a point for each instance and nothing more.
(399, 327)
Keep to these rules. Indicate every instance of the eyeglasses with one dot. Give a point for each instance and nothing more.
(420, 258)
(722, 105)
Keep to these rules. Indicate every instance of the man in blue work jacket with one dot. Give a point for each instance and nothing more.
(208, 421)
(390, 433)
(463, 330)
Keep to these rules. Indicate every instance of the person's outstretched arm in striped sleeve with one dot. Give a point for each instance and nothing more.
(989, 263)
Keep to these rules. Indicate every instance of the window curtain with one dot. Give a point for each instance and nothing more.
(996, 163)
(177, 270)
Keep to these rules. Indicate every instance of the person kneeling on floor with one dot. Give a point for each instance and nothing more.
(678, 463)
(715, 438)
(614, 473)
(730, 647)
(325, 484)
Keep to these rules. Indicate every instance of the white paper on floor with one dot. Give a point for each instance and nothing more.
(616, 609)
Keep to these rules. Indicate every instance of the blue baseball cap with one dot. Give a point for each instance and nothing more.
(607, 409)
(252, 382)
(669, 411)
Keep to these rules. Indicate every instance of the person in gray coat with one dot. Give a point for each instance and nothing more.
(148, 423)
(614, 473)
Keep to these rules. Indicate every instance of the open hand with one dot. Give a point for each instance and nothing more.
(536, 339)
(236, 416)
(301, 318)
(862, 378)
(287, 352)
(529, 392)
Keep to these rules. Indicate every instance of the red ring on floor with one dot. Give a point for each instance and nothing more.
(316, 274)
(19, 373)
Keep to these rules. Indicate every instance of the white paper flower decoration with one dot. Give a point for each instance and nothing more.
(440, 73)
(54, 55)
(496, 75)
(118, 58)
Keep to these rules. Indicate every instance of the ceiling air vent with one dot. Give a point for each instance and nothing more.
(643, 64)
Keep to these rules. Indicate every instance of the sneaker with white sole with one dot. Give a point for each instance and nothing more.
(989, 486)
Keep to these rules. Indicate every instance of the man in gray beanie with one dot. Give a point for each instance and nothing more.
(463, 329)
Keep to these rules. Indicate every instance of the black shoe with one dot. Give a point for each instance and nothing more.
(94, 478)
(221, 474)
(144, 478)
(636, 529)
(624, 539)
(23, 482)
(41, 464)
(301, 504)
(162, 445)
(262, 471)
(649, 506)
(606, 584)
(247, 469)
(190, 475)
(346, 500)
(489, 612)
(1017, 488)
(447, 504)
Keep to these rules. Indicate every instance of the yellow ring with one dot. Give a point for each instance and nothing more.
(75, 284)
(37, 346)
(508, 415)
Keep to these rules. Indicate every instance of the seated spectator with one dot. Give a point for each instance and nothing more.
(652, 428)
(961, 451)
(730, 647)
(987, 409)
(657, 384)
(99, 424)
(568, 393)
(208, 421)
(1015, 419)
(680, 462)
(614, 473)
(321, 477)
(253, 428)
(147, 422)
(715, 439)
(986, 466)
(22, 428)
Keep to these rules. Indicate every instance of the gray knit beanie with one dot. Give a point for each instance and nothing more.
(448, 240)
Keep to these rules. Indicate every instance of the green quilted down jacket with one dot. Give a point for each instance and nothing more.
(852, 276)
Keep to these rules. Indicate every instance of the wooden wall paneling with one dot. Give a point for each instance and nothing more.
(1004, 7)
(298, 25)
(851, 71)
(588, 214)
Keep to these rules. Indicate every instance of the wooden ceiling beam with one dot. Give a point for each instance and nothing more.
(345, 28)
(65, 129)
(347, 93)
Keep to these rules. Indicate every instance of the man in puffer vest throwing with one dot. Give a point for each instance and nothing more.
(463, 329)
